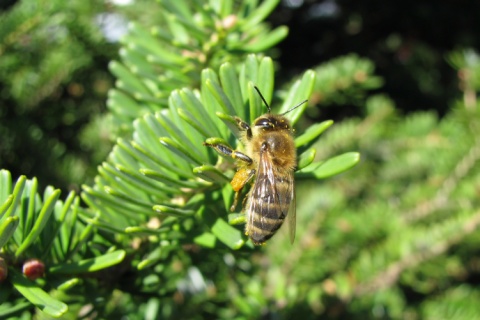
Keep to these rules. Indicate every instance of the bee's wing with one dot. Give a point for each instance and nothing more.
(271, 196)
(292, 211)
(262, 201)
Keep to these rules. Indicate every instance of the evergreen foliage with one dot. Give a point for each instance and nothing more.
(52, 82)
(394, 238)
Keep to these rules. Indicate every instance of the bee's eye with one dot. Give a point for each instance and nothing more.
(265, 123)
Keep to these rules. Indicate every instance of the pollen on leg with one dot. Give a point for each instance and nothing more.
(240, 179)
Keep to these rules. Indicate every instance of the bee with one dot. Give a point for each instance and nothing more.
(269, 161)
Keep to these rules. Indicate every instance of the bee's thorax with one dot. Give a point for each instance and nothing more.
(272, 133)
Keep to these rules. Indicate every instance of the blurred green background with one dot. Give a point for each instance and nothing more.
(54, 89)
(394, 238)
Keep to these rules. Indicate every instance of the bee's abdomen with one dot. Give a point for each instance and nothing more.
(267, 212)
(262, 228)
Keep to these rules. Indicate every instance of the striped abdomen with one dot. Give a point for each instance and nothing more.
(268, 204)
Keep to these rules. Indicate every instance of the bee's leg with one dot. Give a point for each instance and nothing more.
(240, 179)
(243, 126)
(229, 152)
(235, 200)
(244, 202)
(242, 176)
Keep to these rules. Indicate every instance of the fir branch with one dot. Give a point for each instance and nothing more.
(196, 37)
(173, 139)
(390, 275)
(46, 230)
(442, 198)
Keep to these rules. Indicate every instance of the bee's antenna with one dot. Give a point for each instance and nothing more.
(268, 107)
(291, 109)
(263, 99)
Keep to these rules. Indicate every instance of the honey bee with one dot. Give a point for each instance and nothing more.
(270, 160)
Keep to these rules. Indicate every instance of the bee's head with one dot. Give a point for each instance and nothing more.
(265, 122)
(270, 122)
